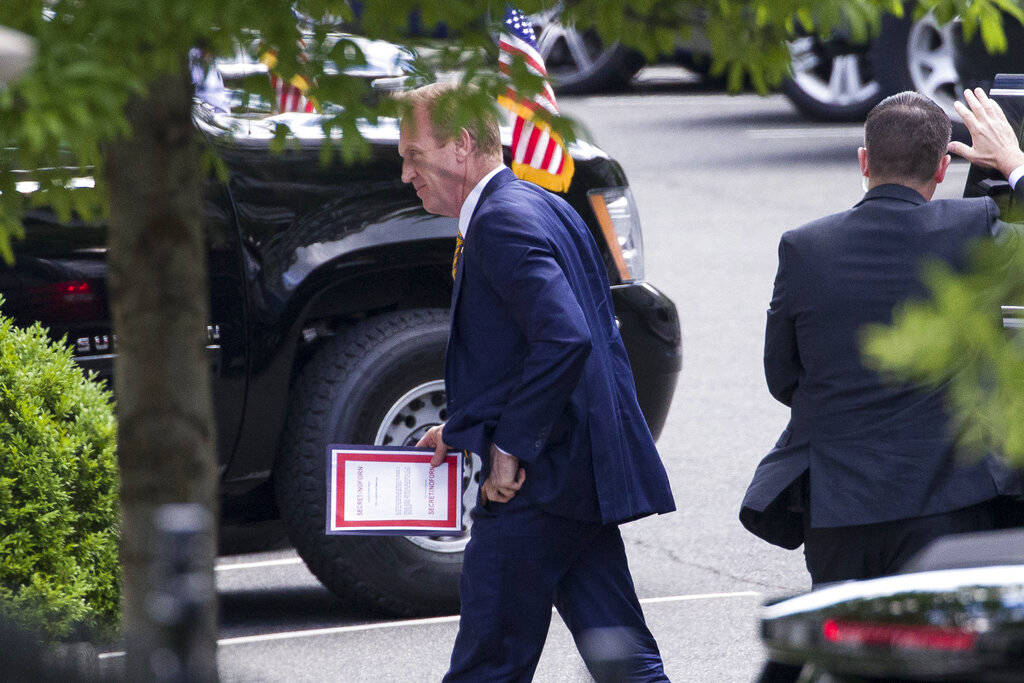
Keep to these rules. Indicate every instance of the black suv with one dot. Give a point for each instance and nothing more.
(329, 289)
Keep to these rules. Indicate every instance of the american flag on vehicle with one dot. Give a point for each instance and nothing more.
(538, 153)
(289, 96)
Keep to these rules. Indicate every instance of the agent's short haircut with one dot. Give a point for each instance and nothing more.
(441, 101)
(906, 135)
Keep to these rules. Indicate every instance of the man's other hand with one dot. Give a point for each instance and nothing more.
(994, 142)
(432, 439)
(505, 479)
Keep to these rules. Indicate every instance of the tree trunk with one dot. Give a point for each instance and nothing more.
(159, 299)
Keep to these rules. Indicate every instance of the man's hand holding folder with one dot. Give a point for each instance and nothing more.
(506, 476)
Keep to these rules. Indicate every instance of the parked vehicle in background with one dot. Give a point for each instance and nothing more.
(329, 294)
(835, 80)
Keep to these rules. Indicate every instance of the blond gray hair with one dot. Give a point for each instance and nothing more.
(441, 102)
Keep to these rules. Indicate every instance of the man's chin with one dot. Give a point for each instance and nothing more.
(431, 208)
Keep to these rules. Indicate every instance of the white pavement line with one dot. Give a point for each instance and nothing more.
(311, 633)
(261, 563)
(699, 596)
(334, 630)
(809, 132)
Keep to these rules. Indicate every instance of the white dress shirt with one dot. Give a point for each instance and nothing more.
(1015, 175)
(469, 206)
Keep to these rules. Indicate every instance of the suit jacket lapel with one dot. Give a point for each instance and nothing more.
(501, 178)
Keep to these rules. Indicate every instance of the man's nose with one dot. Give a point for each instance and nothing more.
(406, 171)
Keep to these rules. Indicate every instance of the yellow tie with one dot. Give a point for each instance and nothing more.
(458, 253)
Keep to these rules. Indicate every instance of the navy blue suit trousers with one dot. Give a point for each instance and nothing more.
(520, 560)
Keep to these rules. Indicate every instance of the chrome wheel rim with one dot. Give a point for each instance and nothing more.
(404, 424)
(931, 61)
(567, 52)
(841, 80)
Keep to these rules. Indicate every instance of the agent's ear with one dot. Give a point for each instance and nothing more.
(463, 145)
(862, 157)
(940, 172)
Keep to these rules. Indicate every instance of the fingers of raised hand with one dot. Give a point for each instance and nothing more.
(983, 99)
(970, 120)
(972, 98)
(991, 106)
(960, 149)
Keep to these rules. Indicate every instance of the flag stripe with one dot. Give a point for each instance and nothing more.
(531, 58)
(524, 142)
(540, 148)
(555, 162)
(548, 153)
(517, 131)
(531, 145)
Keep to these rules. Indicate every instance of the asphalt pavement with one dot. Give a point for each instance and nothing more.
(718, 178)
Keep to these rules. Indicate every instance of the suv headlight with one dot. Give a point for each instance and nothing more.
(616, 212)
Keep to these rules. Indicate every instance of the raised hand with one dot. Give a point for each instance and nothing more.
(994, 143)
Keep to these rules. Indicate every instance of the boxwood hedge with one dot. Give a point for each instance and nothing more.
(59, 570)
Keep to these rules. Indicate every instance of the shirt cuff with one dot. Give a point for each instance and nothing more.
(504, 452)
(1015, 175)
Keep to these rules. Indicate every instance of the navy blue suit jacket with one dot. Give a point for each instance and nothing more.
(536, 365)
(874, 451)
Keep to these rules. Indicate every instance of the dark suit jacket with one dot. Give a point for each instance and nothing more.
(536, 365)
(873, 451)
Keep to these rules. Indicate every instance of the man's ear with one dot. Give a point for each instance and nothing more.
(862, 157)
(463, 144)
(940, 172)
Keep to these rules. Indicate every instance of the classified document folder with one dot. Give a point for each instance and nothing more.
(385, 490)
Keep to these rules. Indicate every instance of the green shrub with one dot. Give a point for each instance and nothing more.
(59, 570)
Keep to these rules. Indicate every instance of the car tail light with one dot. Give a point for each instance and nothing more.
(616, 212)
(904, 637)
(66, 301)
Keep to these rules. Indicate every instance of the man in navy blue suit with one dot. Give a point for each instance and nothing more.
(538, 383)
(866, 474)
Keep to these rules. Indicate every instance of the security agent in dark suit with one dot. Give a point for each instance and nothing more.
(538, 380)
(866, 474)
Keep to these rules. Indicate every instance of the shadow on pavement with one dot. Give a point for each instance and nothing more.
(830, 152)
(257, 612)
(250, 612)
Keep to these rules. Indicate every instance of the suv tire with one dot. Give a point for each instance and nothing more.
(832, 81)
(577, 62)
(343, 395)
